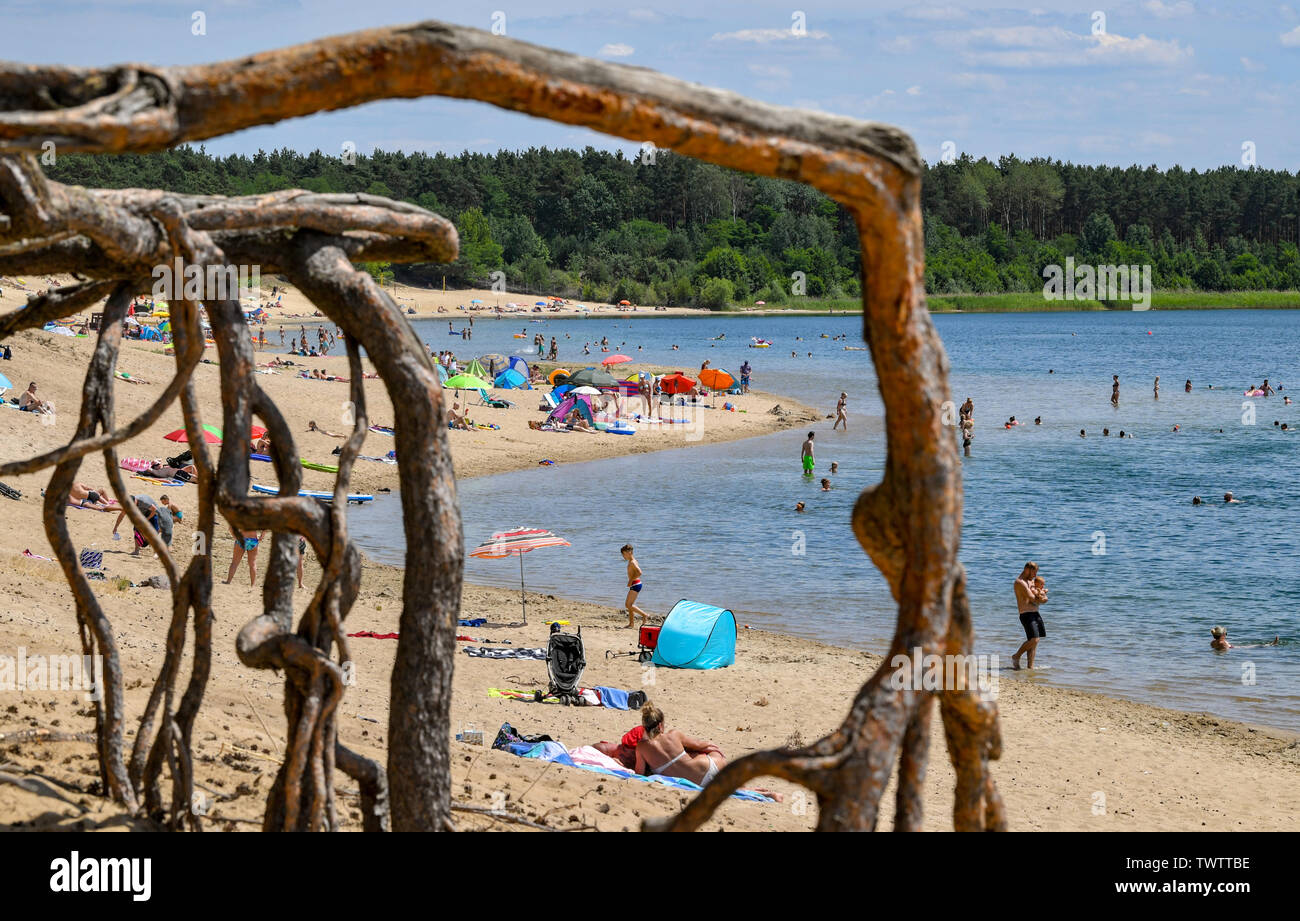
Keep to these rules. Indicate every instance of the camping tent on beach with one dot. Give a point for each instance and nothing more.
(696, 635)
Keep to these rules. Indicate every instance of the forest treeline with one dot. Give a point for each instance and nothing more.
(659, 228)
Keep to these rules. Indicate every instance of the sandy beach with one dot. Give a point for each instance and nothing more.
(1072, 760)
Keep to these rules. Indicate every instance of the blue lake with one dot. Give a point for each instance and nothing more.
(1137, 574)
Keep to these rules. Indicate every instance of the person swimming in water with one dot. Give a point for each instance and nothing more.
(1220, 642)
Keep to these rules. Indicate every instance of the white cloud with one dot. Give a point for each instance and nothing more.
(1140, 50)
(914, 91)
(900, 44)
(769, 70)
(616, 50)
(1292, 39)
(1250, 66)
(764, 36)
(1169, 10)
(1028, 47)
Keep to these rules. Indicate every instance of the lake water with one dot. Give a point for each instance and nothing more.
(1137, 574)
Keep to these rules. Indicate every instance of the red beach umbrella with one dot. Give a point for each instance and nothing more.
(675, 383)
(615, 360)
(211, 435)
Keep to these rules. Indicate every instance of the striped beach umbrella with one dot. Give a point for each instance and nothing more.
(517, 542)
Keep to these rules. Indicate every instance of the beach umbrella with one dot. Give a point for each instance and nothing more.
(589, 391)
(614, 360)
(465, 382)
(476, 369)
(625, 303)
(492, 358)
(717, 379)
(517, 542)
(592, 377)
(442, 373)
(539, 303)
(477, 300)
(5, 383)
(675, 383)
(211, 435)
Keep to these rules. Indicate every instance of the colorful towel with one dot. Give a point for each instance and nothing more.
(154, 479)
(476, 622)
(553, 751)
(592, 697)
(482, 652)
(367, 634)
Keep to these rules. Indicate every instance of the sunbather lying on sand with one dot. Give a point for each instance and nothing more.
(161, 471)
(673, 753)
(623, 751)
(84, 496)
(313, 427)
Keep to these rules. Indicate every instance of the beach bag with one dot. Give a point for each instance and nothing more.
(7, 490)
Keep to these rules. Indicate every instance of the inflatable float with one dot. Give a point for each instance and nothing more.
(311, 494)
(1254, 393)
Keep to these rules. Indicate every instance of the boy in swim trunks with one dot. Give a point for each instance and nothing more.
(808, 455)
(633, 586)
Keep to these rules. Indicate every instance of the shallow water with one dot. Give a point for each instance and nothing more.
(1137, 575)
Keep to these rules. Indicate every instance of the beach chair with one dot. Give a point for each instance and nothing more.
(486, 400)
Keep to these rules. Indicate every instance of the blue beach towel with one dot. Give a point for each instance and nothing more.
(613, 698)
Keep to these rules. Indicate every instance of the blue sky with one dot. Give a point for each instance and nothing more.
(1162, 81)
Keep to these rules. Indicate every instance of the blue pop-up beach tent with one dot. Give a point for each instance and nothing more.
(510, 379)
(696, 635)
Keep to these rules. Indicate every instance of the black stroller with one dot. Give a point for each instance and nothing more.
(565, 661)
